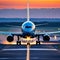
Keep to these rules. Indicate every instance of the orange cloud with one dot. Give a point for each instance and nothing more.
(19, 4)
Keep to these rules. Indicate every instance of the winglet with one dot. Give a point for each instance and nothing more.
(28, 15)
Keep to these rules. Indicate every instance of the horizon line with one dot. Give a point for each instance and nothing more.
(26, 8)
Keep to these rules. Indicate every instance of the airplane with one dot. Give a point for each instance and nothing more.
(28, 30)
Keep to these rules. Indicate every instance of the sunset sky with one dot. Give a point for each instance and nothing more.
(17, 8)
(21, 4)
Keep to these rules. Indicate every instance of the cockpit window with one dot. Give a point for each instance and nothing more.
(28, 27)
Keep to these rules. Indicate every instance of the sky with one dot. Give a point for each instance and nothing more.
(21, 4)
(10, 8)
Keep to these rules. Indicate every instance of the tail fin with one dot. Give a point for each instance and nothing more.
(28, 14)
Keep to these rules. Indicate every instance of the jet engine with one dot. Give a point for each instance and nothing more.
(46, 38)
(10, 38)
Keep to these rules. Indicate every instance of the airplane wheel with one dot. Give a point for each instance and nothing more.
(28, 43)
(38, 42)
(18, 42)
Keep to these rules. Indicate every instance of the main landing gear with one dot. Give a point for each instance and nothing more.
(38, 42)
(18, 42)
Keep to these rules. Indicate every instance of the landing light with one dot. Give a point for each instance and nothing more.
(28, 38)
(55, 37)
(32, 41)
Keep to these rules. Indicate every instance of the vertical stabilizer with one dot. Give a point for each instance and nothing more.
(28, 15)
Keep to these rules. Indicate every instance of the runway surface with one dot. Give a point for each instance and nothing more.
(37, 52)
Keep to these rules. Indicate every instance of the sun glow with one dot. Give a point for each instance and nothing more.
(6, 42)
(20, 4)
(32, 41)
(28, 38)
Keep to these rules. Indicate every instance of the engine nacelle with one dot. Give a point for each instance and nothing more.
(10, 38)
(46, 38)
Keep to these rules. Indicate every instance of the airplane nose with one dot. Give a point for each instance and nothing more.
(28, 26)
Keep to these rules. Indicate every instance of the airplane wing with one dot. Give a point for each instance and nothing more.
(36, 33)
(47, 33)
(41, 24)
(10, 38)
(10, 33)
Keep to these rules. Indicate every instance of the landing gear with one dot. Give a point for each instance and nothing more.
(28, 43)
(18, 42)
(37, 42)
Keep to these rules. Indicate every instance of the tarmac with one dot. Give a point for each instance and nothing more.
(37, 52)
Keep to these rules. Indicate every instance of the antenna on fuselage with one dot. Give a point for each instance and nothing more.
(28, 15)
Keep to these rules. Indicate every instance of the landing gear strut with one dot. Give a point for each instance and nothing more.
(18, 42)
(38, 42)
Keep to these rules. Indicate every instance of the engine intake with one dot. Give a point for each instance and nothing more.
(46, 38)
(10, 38)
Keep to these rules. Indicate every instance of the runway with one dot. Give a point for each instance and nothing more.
(37, 52)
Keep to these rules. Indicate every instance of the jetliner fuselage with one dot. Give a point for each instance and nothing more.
(28, 28)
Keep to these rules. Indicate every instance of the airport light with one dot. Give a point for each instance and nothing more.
(55, 37)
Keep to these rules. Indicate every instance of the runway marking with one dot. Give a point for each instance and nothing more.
(28, 52)
(46, 49)
(11, 58)
(3, 58)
